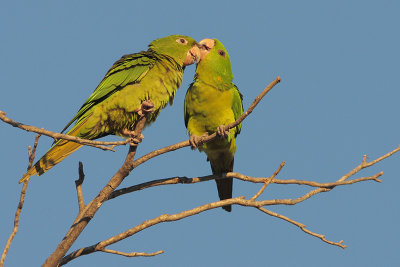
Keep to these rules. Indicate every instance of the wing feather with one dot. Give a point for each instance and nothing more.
(237, 107)
(128, 70)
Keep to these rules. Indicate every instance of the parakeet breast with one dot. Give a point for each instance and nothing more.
(209, 108)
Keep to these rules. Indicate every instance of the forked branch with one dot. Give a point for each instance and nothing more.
(252, 202)
(87, 213)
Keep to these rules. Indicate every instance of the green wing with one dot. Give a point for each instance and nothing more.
(186, 103)
(128, 70)
(237, 107)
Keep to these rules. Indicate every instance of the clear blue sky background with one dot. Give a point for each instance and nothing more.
(339, 97)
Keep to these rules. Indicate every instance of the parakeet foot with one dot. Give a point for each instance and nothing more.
(146, 107)
(135, 139)
(222, 132)
(194, 140)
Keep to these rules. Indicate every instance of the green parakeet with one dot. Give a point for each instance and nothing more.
(211, 102)
(124, 93)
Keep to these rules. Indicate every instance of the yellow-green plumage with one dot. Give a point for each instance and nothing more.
(153, 75)
(213, 100)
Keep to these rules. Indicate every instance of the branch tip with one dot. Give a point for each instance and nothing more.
(131, 254)
(78, 185)
(365, 157)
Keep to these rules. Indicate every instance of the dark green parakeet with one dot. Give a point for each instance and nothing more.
(211, 102)
(124, 93)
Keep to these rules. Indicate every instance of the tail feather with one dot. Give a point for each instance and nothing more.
(224, 186)
(59, 151)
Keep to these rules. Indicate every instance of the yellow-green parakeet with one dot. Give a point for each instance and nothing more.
(123, 95)
(211, 102)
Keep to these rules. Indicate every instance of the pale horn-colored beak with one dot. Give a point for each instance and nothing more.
(193, 55)
(208, 43)
(205, 47)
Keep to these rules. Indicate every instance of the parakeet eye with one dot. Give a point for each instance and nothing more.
(221, 53)
(181, 41)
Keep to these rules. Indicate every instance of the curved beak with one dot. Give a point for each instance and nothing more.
(205, 47)
(193, 55)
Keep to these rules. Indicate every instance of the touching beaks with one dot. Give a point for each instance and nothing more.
(193, 55)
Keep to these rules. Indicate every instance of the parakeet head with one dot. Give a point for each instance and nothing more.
(181, 48)
(215, 64)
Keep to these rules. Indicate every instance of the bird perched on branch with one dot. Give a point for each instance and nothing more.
(138, 83)
(211, 102)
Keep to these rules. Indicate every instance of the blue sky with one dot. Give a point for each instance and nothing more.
(338, 100)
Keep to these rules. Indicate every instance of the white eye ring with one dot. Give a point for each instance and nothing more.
(181, 41)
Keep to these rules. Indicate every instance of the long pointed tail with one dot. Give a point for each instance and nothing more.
(59, 151)
(224, 186)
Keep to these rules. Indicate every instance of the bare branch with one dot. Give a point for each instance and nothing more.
(302, 227)
(187, 180)
(301, 182)
(78, 185)
(166, 181)
(56, 136)
(238, 201)
(89, 211)
(160, 219)
(31, 158)
(178, 216)
(365, 164)
(266, 183)
(233, 201)
(132, 254)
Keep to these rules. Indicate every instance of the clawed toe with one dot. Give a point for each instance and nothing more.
(222, 132)
(135, 139)
(145, 108)
(194, 141)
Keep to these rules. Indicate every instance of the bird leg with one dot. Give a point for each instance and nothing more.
(195, 140)
(222, 132)
(135, 139)
(145, 108)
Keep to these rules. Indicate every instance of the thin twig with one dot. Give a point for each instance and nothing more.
(365, 164)
(57, 136)
(302, 227)
(270, 180)
(187, 180)
(132, 254)
(327, 185)
(78, 185)
(31, 158)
